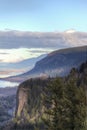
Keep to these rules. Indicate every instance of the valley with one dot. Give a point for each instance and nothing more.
(57, 63)
(43, 64)
(18, 102)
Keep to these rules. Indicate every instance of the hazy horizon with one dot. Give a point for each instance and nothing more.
(18, 46)
(30, 28)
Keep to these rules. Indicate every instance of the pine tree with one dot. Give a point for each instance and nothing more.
(65, 106)
(77, 108)
(53, 102)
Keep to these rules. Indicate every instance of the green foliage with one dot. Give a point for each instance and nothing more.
(65, 106)
(77, 107)
(60, 102)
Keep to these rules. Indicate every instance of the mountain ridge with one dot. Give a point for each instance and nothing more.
(26, 100)
(57, 63)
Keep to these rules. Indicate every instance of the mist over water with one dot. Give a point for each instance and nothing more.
(4, 84)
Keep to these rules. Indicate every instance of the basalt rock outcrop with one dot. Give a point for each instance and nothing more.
(29, 103)
(29, 106)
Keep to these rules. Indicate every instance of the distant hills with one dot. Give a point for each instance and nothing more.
(28, 63)
(36, 42)
(7, 91)
(57, 63)
(19, 67)
(30, 92)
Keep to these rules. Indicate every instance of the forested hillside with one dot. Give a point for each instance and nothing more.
(53, 103)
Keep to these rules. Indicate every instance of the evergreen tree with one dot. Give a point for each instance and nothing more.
(65, 106)
(53, 102)
(77, 107)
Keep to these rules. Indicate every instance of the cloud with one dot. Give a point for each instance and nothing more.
(3, 53)
(10, 72)
(18, 39)
(16, 46)
(75, 38)
(8, 84)
(17, 55)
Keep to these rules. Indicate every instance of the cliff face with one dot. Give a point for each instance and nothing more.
(22, 99)
(29, 97)
(29, 104)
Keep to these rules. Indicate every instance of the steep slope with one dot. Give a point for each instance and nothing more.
(29, 98)
(18, 67)
(57, 63)
(30, 90)
(28, 63)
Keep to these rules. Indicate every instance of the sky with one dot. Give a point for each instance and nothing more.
(30, 28)
(43, 15)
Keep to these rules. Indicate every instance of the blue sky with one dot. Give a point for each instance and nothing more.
(43, 15)
(19, 18)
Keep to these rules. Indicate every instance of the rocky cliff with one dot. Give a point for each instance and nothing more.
(29, 104)
(29, 93)
(30, 108)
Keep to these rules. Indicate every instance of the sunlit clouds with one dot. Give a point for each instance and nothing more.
(17, 55)
(16, 46)
(18, 49)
